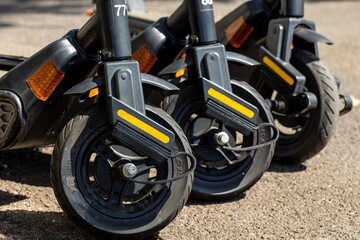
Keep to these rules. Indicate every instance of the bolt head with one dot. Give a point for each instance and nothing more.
(129, 170)
(123, 75)
(222, 138)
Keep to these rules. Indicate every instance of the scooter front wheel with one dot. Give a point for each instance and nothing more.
(304, 135)
(221, 174)
(87, 175)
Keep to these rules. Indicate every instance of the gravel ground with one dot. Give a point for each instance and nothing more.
(315, 200)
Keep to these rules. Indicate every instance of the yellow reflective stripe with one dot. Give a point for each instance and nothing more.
(278, 70)
(231, 103)
(143, 126)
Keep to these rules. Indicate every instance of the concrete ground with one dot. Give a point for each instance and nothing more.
(315, 200)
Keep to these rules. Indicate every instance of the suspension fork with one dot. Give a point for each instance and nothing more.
(210, 65)
(107, 32)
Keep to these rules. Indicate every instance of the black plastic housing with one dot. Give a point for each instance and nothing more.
(42, 121)
(292, 8)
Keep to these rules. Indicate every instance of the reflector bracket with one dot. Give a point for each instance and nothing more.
(278, 71)
(143, 126)
(231, 103)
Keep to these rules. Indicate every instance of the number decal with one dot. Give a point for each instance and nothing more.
(122, 6)
(207, 2)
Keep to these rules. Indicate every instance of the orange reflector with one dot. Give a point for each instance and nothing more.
(44, 81)
(238, 31)
(292, 46)
(181, 71)
(93, 92)
(89, 12)
(145, 59)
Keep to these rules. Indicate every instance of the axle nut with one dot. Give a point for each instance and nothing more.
(222, 138)
(129, 170)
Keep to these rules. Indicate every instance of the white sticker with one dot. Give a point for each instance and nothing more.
(122, 8)
(207, 2)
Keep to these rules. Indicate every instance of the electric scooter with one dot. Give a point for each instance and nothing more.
(227, 123)
(120, 167)
(304, 94)
(298, 87)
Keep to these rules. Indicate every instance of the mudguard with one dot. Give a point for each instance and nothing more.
(310, 35)
(299, 33)
(231, 57)
(98, 81)
(240, 59)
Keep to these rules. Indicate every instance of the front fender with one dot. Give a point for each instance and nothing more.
(158, 82)
(236, 58)
(310, 35)
(98, 81)
(240, 59)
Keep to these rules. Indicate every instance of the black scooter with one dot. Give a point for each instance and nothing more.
(120, 167)
(299, 88)
(227, 123)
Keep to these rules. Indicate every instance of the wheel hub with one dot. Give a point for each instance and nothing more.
(222, 138)
(129, 170)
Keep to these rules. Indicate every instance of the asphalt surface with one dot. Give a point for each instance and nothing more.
(315, 200)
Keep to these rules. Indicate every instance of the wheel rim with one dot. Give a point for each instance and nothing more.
(103, 186)
(213, 165)
(296, 129)
(292, 129)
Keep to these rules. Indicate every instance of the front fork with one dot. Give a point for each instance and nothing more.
(213, 74)
(125, 103)
(283, 35)
(124, 93)
(207, 61)
(277, 71)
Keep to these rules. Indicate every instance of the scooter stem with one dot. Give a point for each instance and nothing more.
(114, 29)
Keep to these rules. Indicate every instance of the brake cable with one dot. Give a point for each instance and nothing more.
(185, 174)
(258, 128)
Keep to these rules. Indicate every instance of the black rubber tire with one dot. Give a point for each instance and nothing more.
(321, 121)
(72, 146)
(247, 173)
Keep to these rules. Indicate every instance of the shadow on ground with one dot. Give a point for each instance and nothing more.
(25, 166)
(195, 202)
(7, 198)
(286, 168)
(39, 225)
(43, 225)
